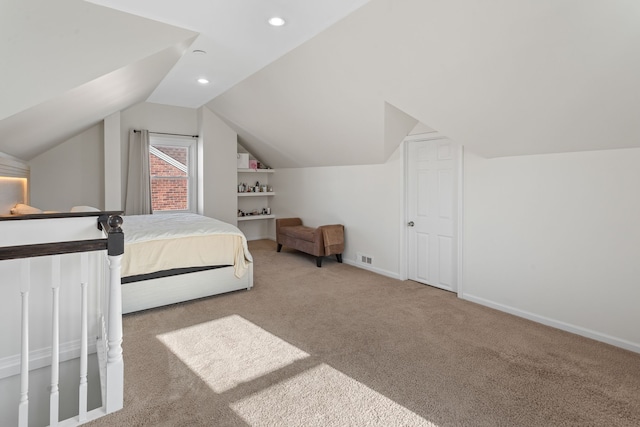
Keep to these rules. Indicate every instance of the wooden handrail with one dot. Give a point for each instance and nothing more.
(57, 248)
(58, 215)
(109, 222)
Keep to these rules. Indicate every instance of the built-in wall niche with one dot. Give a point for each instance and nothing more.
(14, 183)
(255, 218)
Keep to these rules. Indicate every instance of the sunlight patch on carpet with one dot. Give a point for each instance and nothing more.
(324, 396)
(229, 351)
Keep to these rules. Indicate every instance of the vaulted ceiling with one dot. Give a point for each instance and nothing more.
(501, 77)
(68, 64)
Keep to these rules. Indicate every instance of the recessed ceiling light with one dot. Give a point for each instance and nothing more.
(203, 81)
(276, 21)
(200, 52)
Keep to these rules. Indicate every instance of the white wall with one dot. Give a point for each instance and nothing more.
(219, 143)
(155, 118)
(70, 174)
(366, 199)
(112, 159)
(14, 181)
(556, 238)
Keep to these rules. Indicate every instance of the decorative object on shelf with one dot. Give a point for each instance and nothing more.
(258, 188)
(253, 197)
(264, 188)
(254, 212)
(243, 160)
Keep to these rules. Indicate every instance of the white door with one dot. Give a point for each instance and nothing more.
(432, 170)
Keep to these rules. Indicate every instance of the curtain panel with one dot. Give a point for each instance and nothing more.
(138, 200)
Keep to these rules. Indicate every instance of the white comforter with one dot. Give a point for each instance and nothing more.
(176, 240)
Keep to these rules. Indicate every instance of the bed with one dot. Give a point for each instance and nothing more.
(176, 257)
(169, 258)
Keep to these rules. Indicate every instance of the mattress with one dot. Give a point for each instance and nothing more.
(181, 240)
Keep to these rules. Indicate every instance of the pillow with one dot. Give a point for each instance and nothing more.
(84, 209)
(22, 209)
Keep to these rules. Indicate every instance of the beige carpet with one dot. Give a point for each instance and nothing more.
(339, 346)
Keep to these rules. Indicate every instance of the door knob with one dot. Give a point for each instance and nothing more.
(410, 224)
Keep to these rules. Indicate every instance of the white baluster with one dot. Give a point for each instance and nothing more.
(54, 396)
(115, 366)
(84, 279)
(25, 284)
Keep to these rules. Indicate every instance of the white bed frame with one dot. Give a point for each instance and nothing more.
(145, 294)
(163, 291)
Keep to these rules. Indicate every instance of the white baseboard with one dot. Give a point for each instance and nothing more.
(380, 271)
(588, 333)
(10, 365)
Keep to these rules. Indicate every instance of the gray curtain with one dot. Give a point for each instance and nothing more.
(138, 179)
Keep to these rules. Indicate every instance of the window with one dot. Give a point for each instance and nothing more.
(173, 174)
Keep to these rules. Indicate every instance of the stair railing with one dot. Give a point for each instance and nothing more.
(100, 251)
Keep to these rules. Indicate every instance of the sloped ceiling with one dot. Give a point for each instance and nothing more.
(41, 127)
(235, 36)
(501, 77)
(68, 64)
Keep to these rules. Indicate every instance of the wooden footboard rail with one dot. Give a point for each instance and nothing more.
(32, 242)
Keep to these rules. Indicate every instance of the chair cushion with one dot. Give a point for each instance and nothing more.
(299, 232)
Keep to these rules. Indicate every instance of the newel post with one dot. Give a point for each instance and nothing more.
(115, 365)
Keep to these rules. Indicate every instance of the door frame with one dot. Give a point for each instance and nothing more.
(404, 241)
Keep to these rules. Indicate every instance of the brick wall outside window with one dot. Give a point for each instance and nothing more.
(169, 184)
